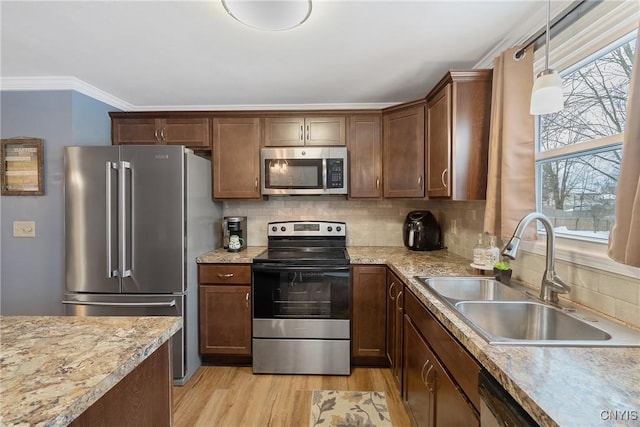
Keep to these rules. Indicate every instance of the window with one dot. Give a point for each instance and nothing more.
(579, 148)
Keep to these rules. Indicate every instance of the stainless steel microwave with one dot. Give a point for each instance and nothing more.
(304, 170)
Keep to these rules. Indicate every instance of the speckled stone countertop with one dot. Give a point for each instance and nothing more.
(557, 386)
(53, 368)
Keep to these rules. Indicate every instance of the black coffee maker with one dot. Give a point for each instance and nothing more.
(234, 233)
(421, 231)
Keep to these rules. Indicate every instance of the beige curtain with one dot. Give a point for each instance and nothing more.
(511, 176)
(624, 242)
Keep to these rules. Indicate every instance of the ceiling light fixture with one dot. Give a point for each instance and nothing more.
(546, 95)
(269, 15)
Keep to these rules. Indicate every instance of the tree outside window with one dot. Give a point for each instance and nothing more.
(579, 148)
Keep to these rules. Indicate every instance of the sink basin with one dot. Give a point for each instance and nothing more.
(528, 321)
(472, 289)
(508, 315)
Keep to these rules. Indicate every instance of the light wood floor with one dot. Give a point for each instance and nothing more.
(225, 396)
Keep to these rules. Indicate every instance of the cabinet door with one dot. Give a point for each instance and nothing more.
(368, 314)
(403, 146)
(419, 399)
(225, 319)
(134, 131)
(365, 157)
(283, 131)
(324, 131)
(394, 325)
(191, 132)
(236, 158)
(439, 144)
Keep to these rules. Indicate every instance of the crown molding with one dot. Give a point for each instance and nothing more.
(63, 83)
(73, 83)
(521, 32)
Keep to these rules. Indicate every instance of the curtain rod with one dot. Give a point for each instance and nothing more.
(575, 11)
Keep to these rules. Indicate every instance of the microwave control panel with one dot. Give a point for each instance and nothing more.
(335, 173)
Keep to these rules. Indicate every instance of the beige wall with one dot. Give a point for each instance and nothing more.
(379, 223)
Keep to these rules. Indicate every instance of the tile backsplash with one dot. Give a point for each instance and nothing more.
(379, 223)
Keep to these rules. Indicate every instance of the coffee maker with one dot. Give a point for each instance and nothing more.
(234, 233)
(421, 232)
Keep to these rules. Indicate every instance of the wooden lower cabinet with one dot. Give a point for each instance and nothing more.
(435, 395)
(225, 312)
(142, 398)
(395, 297)
(368, 341)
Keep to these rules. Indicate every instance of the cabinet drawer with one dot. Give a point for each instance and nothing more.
(224, 273)
(462, 366)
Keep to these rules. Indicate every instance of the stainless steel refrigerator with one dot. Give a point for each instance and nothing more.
(136, 218)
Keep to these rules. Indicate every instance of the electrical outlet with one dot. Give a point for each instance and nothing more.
(24, 229)
(454, 227)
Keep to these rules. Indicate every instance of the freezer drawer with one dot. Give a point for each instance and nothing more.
(134, 305)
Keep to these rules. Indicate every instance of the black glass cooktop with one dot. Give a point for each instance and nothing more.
(304, 256)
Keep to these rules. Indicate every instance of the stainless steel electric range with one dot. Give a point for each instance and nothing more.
(302, 300)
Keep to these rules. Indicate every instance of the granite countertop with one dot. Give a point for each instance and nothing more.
(55, 367)
(557, 386)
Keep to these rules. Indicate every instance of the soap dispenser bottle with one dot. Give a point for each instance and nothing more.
(479, 253)
(492, 254)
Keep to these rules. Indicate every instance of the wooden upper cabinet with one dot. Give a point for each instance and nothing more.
(403, 151)
(193, 132)
(299, 131)
(236, 158)
(457, 130)
(365, 157)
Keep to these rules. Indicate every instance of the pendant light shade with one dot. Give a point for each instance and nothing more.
(269, 15)
(546, 95)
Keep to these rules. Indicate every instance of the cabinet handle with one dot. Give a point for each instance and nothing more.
(444, 172)
(301, 133)
(246, 299)
(420, 181)
(225, 275)
(398, 300)
(155, 133)
(162, 135)
(393, 284)
(377, 183)
(308, 132)
(255, 184)
(430, 384)
(422, 375)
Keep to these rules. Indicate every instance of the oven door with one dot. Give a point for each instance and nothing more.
(301, 302)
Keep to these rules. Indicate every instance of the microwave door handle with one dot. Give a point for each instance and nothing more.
(324, 174)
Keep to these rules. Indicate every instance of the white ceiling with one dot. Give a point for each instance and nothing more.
(172, 55)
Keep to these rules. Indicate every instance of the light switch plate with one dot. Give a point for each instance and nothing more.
(454, 227)
(24, 229)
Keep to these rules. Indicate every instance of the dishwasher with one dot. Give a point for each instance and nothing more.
(497, 407)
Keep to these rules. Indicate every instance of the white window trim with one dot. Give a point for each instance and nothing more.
(599, 28)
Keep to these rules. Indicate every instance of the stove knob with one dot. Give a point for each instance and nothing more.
(338, 229)
(329, 229)
(274, 228)
(283, 228)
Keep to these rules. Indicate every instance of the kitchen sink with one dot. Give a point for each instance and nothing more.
(508, 315)
(527, 321)
(457, 289)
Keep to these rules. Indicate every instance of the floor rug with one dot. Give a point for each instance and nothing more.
(349, 409)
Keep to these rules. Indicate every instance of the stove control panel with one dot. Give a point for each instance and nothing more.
(306, 229)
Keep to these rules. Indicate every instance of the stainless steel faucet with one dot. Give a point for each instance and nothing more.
(551, 285)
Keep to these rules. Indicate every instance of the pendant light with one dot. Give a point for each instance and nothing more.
(269, 15)
(546, 95)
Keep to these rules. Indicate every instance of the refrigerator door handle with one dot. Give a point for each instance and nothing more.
(171, 303)
(122, 218)
(109, 168)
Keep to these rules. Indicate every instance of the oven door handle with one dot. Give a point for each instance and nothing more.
(289, 267)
